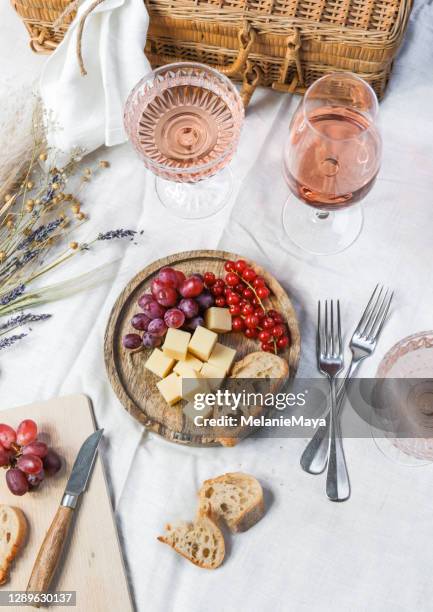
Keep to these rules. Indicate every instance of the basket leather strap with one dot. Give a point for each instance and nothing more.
(291, 57)
(246, 37)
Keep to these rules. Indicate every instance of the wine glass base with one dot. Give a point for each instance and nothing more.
(196, 200)
(321, 232)
(404, 455)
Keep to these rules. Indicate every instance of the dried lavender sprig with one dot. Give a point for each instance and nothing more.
(114, 234)
(6, 342)
(12, 295)
(40, 234)
(22, 319)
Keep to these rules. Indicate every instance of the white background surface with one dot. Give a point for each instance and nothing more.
(371, 553)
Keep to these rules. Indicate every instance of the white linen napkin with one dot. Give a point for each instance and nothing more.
(87, 111)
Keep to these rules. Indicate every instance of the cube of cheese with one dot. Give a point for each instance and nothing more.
(176, 343)
(184, 368)
(192, 362)
(202, 342)
(222, 357)
(192, 384)
(190, 411)
(171, 388)
(218, 319)
(159, 364)
(213, 375)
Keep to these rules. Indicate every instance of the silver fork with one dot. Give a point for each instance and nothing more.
(362, 345)
(330, 363)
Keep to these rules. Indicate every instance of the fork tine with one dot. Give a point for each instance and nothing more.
(332, 329)
(319, 330)
(375, 315)
(373, 312)
(326, 329)
(366, 311)
(377, 328)
(340, 341)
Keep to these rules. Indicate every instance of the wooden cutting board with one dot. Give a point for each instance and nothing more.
(92, 563)
(136, 387)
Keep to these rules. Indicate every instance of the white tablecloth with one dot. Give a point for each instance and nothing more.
(371, 553)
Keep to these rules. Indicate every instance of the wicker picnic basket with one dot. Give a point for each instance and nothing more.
(283, 44)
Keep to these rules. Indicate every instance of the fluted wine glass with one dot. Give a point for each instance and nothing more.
(330, 162)
(184, 120)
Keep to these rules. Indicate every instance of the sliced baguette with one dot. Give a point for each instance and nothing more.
(13, 531)
(236, 498)
(258, 365)
(201, 542)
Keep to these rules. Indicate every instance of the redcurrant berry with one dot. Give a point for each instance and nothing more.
(240, 265)
(247, 309)
(262, 292)
(278, 330)
(268, 323)
(264, 336)
(251, 333)
(220, 301)
(229, 266)
(233, 298)
(248, 293)
(209, 279)
(238, 324)
(282, 342)
(235, 309)
(231, 279)
(252, 321)
(249, 274)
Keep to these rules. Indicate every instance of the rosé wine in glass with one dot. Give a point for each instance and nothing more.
(184, 120)
(331, 161)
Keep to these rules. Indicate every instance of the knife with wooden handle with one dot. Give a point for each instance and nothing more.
(52, 546)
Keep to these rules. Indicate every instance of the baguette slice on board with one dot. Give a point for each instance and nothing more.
(92, 564)
(13, 531)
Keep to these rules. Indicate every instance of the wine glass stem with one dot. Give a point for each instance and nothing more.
(320, 215)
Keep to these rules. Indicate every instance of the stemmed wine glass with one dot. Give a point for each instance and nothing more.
(184, 120)
(330, 161)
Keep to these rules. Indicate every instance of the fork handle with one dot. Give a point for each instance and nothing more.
(337, 478)
(315, 456)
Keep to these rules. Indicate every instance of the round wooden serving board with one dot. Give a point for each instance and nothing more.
(135, 386)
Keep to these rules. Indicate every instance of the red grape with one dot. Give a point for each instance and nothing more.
(144, 299)
(240, 265)
(249, 274)
(189, 307)
(30, 464)
(191, 287)
(220, 301)
(52, 463)
(238, 324)
(154, 310)
(205, 300)
(37, 448)
(17, 481)
(174, 318)
(229, 266)
(155, 286)
(180, 277)
(167, 296)
(7, 436)
(140, 321)
(151, 340)
(35, 480)
(209, 279)
(157, 327)
(192, 324)
(5, 456)
(131, 341)
(167, 276)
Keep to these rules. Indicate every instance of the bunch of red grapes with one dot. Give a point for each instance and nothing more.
(27, 459)
(242, 290)
(174, 301)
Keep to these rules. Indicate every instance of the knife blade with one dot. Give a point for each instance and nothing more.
(52, 546)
